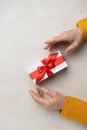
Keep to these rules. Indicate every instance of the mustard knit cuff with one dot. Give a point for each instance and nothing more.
(75, 109)
(82, 24)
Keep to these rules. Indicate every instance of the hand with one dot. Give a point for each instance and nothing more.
(74, 37)
(55, 101)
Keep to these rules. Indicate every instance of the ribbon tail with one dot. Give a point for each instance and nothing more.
(49, 72)
(38, 79)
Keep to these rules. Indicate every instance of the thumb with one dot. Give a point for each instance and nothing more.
(71, 47)
(48, 91)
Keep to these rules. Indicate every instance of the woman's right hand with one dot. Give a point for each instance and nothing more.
(74, 37)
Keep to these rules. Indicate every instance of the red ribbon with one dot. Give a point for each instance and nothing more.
(51, 62)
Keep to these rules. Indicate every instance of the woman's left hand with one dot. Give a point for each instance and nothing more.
(55, 101)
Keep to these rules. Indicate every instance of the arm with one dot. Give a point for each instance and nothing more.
(69, 107)
(75, 109)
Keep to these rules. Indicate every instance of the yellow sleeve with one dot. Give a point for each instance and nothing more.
(82, 24)
(75, 109)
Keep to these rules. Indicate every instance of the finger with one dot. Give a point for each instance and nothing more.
(52, 47)
(48, 91)
(52, 40)
(39, 100)
(58, 39)
(37, 92)
(40, 93)
(31, 91)
(70, 48)
(46, 47)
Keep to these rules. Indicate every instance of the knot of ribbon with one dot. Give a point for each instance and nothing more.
(48, 64)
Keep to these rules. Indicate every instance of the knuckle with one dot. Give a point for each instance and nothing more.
(54, 38)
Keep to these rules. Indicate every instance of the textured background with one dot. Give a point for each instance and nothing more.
(24, 26)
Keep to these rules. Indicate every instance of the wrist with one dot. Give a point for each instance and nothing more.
(62, 102)
(80, 34)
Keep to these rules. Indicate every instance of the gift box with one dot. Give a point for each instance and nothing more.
(47, 67)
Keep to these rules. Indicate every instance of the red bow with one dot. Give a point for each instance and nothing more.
(51, 62)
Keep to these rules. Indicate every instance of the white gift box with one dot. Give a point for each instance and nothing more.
(61, 64)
